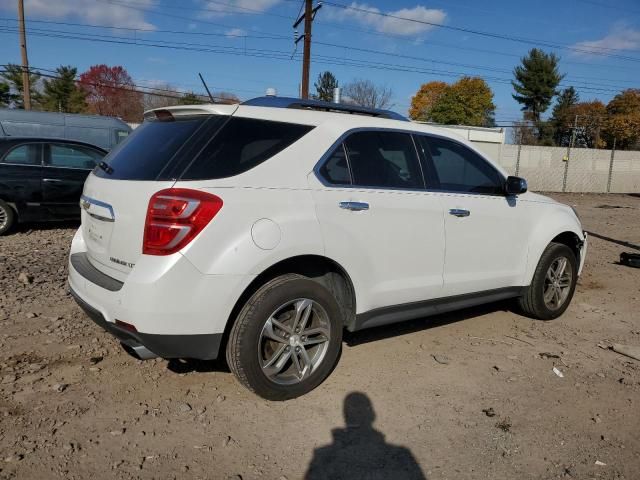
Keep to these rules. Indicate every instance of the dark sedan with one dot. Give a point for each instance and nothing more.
(41, 179)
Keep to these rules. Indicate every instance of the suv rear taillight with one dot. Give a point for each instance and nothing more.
(174, 217)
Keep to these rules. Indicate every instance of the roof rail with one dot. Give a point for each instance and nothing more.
(289, 102)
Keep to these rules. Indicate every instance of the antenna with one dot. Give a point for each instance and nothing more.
(206, 88)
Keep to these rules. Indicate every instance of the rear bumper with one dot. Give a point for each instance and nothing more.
(176, 310)
(203, 346)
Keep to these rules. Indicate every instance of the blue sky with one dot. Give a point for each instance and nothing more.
(245, 46)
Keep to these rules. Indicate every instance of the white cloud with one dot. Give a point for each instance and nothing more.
(621, 37)
(90, 11)
(235, 6)
(235, 32)
(391, 25)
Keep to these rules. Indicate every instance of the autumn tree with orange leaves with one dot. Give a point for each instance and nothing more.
(469, 101)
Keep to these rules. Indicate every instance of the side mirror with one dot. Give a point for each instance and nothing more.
(515, 186)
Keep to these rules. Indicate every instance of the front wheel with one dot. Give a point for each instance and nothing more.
(553, 284)
(286, 339)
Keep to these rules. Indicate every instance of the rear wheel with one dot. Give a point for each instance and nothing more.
(286, 339)
(7, 217)
(553, 284)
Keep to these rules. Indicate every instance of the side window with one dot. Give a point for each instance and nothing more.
(242, 144)
(460, 169)
(121, 135)
(73, 156)
(336, 169)
(24, 155)
(383, 159)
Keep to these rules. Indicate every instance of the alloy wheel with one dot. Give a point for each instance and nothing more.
(294, 341)
(557, 283)
(4, 217)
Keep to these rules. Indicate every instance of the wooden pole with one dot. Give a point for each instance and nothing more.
(26, 86)
(306, 54)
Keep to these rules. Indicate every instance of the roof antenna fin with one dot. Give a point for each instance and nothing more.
(206, 88)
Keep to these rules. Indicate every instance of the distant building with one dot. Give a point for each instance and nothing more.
(488, 140)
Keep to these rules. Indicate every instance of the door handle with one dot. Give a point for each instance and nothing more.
(354, 206)
(459, 212)
(51, 180)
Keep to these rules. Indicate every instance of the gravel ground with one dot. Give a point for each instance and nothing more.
(466, 395)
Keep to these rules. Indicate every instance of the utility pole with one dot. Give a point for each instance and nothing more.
(26, 86)
(308, 16)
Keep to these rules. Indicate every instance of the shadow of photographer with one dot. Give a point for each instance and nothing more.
(359, 451)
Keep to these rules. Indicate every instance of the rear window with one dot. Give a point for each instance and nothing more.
(150, 147)
(240, 145)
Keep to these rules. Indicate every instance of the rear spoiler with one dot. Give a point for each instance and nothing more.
(207, 109)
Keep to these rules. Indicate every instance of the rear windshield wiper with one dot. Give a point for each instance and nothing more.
(105, 166)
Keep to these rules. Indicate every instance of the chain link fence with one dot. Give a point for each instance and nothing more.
(559, 169)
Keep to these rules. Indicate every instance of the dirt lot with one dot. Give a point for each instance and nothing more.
(469, 395)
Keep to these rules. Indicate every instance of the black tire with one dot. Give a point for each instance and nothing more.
(246, 339)
(7, 217)
(532, 303)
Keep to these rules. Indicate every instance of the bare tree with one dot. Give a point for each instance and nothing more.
(161, 95)
(225, 97)
(366, 94)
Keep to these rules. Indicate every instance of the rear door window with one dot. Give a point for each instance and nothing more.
(24, 155)
(151, 147)
(73, 156)
(242, 144)
(335, 169)
(383, 159)
(121, 135)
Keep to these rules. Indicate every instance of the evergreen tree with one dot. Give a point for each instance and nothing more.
(536, 81)
(325, 85)
(561, 118)
(13, 76)
(62, 94)
(5, 94)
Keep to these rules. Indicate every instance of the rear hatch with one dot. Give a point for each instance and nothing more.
(116, 195)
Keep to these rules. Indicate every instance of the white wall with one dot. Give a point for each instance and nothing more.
(587, 169)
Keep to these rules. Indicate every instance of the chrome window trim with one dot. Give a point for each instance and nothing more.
(489, 164)
(325, 157)
(20, 164)
(26, 142)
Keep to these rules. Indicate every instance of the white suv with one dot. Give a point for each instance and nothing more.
(264, 229)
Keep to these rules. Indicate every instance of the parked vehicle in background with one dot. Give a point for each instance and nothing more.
(105, 132)
(41, 179)
(264, 229)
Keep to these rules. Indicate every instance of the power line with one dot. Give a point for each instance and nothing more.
(155, 12)
(129, 88)
(273, 54)
(145, 42)
(615, 7)
(333, 25)
(598, 50)
(233, 9)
